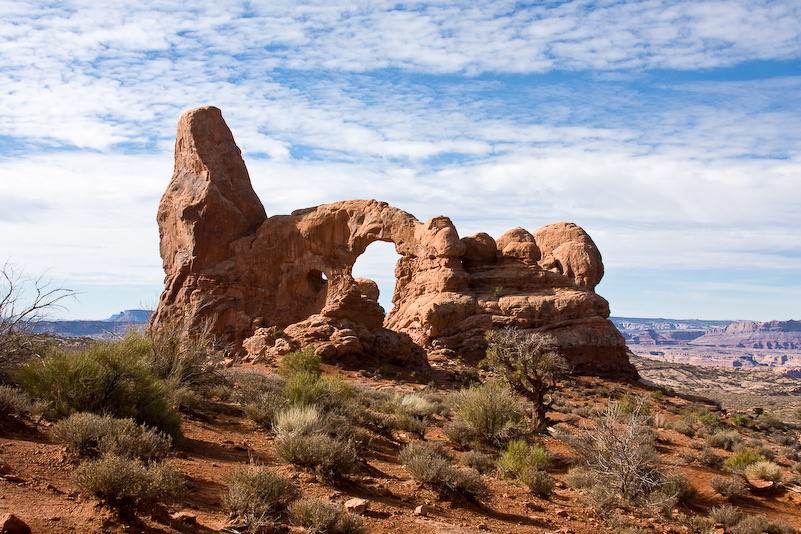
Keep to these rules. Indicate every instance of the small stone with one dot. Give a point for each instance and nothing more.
(534, 507)
(422, 510)
(562, 513)
(4, 467)
(483, 526)
(15, 479)
(357, 505)
(185, 517)
(11, 524)
(181, 455)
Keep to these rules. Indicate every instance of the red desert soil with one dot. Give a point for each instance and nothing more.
(39, 490)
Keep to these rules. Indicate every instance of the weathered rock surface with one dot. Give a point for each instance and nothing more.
(270, 285)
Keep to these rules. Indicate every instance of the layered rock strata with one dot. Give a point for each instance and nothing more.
(268, 285)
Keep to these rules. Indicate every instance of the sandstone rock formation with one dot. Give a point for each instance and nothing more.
(270, 285)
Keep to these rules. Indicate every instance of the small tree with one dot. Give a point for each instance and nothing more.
(530, 363)
(24, 302)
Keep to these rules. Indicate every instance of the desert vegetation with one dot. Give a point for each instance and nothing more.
(150, 426)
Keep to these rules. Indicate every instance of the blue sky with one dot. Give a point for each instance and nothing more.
(669, 130)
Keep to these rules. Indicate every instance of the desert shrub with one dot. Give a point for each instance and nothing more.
(90, 436)
(764, 470)
(481, 462)
(327, 456)
(428, 463)
(630, 403)
(128, 481)
(530, 363)
(684, 427)
(618, 449)
(265, 407)
(416, 405)
(462, 434)
(657, 394)
(493, 410)
(298, 419)
(520, 455)
(110, 378)
(184, 360)
(302, 361)
(723, 439)
(709, 458)
(323, 516)
(729, 487)
(770, 421)
(757, 447)
(742, 420)
(757, 524)
(725, 514)
(742, 459)
(539, 482)
(255, 492)
(14, 400)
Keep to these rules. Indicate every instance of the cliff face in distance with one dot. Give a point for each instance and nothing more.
(268, 285)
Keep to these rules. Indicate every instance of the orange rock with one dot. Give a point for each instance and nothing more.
(229, 265)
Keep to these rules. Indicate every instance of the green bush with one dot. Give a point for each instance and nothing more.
(520, 455)
(110, 378)
(254, 492)
(742, 459)
(323, 516)
(493, 410)
(126, 481)
(327, 456)
(90, 436)
(302, 361)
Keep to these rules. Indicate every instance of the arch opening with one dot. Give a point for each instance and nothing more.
(377, 263)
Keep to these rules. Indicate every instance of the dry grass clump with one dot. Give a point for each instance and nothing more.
(125, 481)
(90, 436)
(538, 481)
(481, 462)
(730, 488)
(724, 439)
(764, 470)
(321, 516)
(492, 411)
(428, 463)
(255, 493)
(14, 400)
(327, 456)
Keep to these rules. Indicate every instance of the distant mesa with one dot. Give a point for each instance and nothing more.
(115, 326)
(754, 335)
(268, 285)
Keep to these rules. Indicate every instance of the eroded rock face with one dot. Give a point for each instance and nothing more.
(270, 285)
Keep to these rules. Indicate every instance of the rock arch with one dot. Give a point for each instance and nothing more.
(246, 274)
